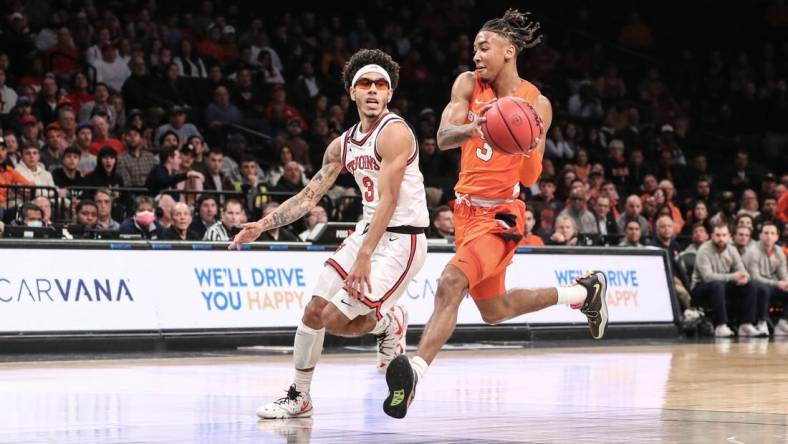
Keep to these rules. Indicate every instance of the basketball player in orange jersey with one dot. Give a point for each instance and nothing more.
(489, 219)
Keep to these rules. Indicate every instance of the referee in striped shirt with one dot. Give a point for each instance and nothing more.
(225, 229)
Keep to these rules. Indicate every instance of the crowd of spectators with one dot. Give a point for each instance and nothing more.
(175, 123)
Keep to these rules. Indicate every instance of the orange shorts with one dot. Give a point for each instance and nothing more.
(486, 238)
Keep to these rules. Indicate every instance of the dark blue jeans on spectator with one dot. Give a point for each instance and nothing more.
(767, 294)
(717, 295)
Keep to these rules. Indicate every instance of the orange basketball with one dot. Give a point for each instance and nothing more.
(512, 126)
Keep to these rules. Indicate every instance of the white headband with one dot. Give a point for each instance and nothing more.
(368, 69)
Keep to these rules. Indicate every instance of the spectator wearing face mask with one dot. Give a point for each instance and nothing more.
(143, 222)
(30, 215)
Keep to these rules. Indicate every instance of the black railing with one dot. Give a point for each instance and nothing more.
(14, 196)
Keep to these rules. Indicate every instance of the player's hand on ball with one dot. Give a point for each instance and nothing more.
(476, 125)
(249, 233)
(357, 282)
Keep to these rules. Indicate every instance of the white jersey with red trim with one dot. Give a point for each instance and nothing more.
(361, 158)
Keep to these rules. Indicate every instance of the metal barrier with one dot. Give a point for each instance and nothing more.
(14, 196)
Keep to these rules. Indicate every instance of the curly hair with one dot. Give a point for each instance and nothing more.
(519, 28)
(365, 57)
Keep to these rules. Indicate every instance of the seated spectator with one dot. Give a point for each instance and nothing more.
(530, 239)
(669, 191)
(103, 199)
(8, 175)
(700, 234)
(292, 138)
(87, 160)
(317, 215)
(720, 276)
(632, 211)
(105, 174)
(251, 177)
(699, 215)
(442, 224)
(101, 136)
(11, 144)
(143, 222)
(136, 163)
(85, 220)
(742, 239)
(221, 111)
(181, 216)
(277, 169)
(178, 125)
(666, 239)
(52, 151)
(68, 175)
(32, 169)
(766, 264)
(576, 209)
(164, 205)
(166, 174)
(277, 234)
(565, 232)
(110, 68)
(744, 220)
(207, 209)
(749, 203)
(229, 225)
(605, 222)
(768, 213)
(727, 211)
(46, 206)
(632, 235)
(214, 178)
(290, 182)
(30, 215)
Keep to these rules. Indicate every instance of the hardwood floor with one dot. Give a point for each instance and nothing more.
(733, 392)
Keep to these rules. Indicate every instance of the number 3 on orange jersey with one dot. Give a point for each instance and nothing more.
(484, 153)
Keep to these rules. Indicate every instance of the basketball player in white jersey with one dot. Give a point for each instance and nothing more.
(361, 282)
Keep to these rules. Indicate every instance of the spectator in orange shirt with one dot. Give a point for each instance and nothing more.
(530, 239)
(782, 207)
(8, 175)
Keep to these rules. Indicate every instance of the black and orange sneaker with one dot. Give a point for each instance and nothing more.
(595, 305)
(401, 380)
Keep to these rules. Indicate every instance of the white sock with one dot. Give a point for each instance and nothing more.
(575, 294)
(381, 326)
(420, 367)
(307, 348)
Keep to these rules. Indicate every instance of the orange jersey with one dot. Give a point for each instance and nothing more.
(489, 174)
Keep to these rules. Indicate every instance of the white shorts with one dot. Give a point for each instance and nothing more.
(395, 262)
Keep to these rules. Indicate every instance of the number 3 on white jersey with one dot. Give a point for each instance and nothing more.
(484, 153)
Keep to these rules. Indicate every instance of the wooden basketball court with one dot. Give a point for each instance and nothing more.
(734, 392)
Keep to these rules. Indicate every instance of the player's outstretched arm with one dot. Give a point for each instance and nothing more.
(395, 145)
(300, 204)
(453, 130)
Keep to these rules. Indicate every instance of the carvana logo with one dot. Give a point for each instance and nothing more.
(64, 289)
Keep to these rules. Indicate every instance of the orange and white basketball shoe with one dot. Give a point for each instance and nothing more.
(293, 405)
(391, 342)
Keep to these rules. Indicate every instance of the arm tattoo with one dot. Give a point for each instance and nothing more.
(300, 204)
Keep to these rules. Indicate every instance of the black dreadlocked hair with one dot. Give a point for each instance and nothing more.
(519, 28)
(366, 57)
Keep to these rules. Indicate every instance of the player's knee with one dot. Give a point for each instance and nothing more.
(451, 288)
(334, 320)
(313, 313)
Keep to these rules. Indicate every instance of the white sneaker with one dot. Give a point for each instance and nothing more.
(748, 331)
(293, 405)
(781, 329)
(762, 328)
(392, 341)
(723, 331)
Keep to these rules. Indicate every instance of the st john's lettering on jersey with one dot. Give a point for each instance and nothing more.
(363, 162)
